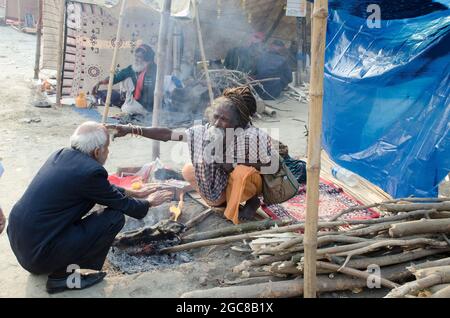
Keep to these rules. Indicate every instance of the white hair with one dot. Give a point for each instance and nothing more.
(88, 137)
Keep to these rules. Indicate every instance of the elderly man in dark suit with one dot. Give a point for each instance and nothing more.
(50, 228)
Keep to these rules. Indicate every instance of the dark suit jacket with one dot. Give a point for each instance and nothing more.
(64, 190)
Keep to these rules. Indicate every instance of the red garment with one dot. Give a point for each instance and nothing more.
(140, 85)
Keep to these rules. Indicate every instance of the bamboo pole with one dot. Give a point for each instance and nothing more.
(59, 68)
(163, 43)
(38, 41)
(314, 143)
(202, 51)
(19, 13)
(112, 70)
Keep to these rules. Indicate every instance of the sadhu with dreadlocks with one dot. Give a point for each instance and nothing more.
(228, 153)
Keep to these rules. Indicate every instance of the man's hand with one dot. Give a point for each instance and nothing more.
(2, 221)
(95, 89)
(146, 191)
(119, 130)
(160, 197)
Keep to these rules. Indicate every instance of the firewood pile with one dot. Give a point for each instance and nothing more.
(300, 94)
(222, 79)
(351, 254)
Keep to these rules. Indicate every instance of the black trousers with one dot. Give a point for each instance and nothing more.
(86, 243)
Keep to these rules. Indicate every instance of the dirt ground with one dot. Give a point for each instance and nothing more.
(25, 146)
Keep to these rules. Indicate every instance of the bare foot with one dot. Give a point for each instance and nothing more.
(248, 211)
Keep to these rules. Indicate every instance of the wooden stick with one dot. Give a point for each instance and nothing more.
(443, 293)
(59, 68)
(38, 41)
(230, 239)
(438, 277)
(314, 143)
(381, 261)
(260, 261)
(441, 262)
(374, 205)
(198, 218)
(202, 51)
(291, 288)
(420, 227)
(112, 69)
(355, 273)
(377, 245)
(441, 206)
(19, 12)
(235, 229)
(162, 55)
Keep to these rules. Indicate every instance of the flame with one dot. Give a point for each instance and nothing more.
(176, 210)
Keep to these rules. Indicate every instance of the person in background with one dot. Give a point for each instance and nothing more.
(273, 63)
(244, 58)
(52, 228)
(138, 82)
(2, 216)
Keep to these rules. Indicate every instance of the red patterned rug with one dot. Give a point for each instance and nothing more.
(332, 200)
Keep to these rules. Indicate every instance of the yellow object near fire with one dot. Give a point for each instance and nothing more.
(136, 185)
(81, 101)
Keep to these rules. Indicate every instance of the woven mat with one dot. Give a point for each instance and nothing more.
(332, 200)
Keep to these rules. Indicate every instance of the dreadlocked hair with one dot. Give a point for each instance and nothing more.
(243, 101)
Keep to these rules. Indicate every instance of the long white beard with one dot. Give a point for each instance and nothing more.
(139, 67)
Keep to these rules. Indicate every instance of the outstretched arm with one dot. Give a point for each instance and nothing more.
(160, 134)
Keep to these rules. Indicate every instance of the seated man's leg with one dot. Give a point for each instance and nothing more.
(84, 246)
(188, 173)
(87, 242)
(244, 185)
(116, 99)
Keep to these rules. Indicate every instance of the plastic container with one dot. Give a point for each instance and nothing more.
(347, 177)
(81, 101)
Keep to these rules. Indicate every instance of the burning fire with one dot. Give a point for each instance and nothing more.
(176, 210)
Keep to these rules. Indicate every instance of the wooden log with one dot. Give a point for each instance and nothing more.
(235, 229)
(444, 270)
(318, 38)
(355, 273)
(245, 265)
(247, 274)
(428, 277)
(162, 56)
(59, 66)
(385, 243)
(369, 230)
(112, 69)
(443, 293)
(341, 248)
(428, 264)
(440, 206)
(420, 227)
(253, 280)
(37, 59)
(374, 205)
(198, 218)
(382, 261)
(234, 238)
(291, 288)
(202, 50)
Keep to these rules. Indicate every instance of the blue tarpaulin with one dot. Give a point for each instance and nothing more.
(386, 103)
